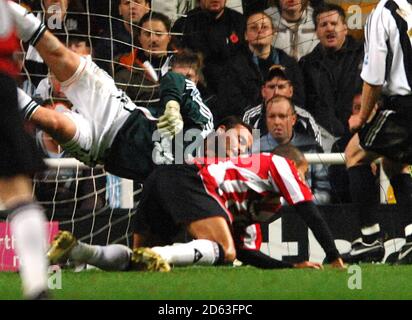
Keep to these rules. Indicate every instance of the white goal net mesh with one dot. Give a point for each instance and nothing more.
(94, 205)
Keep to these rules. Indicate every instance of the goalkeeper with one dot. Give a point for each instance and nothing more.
(107, 127)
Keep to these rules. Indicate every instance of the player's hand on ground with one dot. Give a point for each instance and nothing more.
(338, 264)
(171, 122)
(308, 264)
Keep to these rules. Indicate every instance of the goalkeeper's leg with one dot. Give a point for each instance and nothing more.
(111, 258)
(114, 257)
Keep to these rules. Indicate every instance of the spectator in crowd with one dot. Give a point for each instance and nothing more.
(133, 75)
(212, 28)
(277, 83)
(215, 31)
(238, 87)
(280, 121)
(117, 38)
(332, 73)
(338, 174)
(296, 33)
(251, 6)
(174, 9)
(80, 45)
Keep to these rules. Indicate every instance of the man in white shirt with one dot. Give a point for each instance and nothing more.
(387, 73)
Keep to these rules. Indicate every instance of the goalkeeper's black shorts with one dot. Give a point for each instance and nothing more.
(172, 197)
(390, 131)
(18, 151)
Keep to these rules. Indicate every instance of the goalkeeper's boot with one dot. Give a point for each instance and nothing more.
(405, 255)
(145, 259)
(60, 247)
(365, 252)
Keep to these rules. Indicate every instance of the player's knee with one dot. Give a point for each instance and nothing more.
(351, 157)
(354, 155)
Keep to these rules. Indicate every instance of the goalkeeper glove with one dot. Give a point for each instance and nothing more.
(171, 122)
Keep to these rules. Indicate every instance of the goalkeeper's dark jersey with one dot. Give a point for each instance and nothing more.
(131, 154)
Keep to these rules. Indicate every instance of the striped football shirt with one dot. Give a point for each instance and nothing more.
(231, 181)
(388, 49)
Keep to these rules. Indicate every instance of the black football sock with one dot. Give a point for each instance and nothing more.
(364, 193)
(402, 187)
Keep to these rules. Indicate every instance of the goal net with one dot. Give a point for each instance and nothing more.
(96, 206)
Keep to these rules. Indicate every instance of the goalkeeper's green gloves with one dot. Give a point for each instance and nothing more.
(171, 122)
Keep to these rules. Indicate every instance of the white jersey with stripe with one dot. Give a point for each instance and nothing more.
(388, 49)
(100, 110)
(231, 181)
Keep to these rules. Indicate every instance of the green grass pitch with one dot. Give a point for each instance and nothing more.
(203, 283)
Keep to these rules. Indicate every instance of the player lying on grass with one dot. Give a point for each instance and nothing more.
(197, 197)
(107, 127)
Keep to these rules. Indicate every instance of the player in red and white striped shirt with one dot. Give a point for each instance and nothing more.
(231, 181)
(199, 196)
